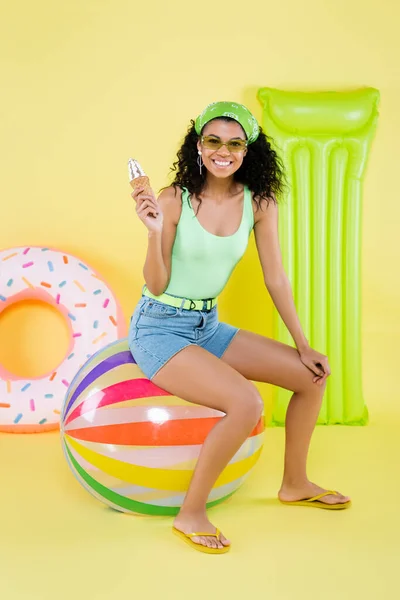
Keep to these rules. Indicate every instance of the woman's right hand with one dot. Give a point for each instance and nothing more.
(148, 209)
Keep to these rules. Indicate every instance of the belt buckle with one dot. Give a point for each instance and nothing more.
(208, 300)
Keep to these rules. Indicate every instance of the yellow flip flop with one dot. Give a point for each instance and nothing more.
(315, 502)
(187, 537)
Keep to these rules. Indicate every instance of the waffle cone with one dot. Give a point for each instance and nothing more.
(141, 182)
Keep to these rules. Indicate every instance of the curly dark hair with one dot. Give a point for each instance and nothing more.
(262, 169)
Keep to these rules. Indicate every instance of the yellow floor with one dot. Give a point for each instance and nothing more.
(56, 541)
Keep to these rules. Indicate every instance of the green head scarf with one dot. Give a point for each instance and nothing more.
(235, 111)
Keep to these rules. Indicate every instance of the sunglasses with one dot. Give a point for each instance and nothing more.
(213, 142)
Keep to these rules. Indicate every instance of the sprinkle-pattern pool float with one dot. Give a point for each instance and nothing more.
(93, 316)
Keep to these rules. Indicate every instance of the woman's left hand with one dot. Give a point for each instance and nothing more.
(317, 363)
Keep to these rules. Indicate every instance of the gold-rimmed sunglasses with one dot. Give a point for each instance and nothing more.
(212, 142)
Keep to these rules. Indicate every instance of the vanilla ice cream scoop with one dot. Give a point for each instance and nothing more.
(137, 177)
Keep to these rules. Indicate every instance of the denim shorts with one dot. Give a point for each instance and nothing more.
(158, 331)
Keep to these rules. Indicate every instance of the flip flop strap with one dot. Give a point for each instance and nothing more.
(327, 493)
(216, 534)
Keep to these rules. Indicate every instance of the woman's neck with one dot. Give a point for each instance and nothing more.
(220, 189)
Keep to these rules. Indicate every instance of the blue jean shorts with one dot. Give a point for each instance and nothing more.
(158, 331)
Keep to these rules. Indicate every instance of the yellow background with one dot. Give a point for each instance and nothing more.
(85, 85)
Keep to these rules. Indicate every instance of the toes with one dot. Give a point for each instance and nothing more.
(213, 542)
(331, 499)
(337, 499)
(340, 498)
(209, 541)
(224, 541)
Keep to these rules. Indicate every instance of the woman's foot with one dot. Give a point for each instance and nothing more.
(306, 490)
(190, 523)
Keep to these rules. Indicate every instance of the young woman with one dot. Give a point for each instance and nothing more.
(227, 178)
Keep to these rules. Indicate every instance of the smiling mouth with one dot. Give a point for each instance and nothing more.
(222, 164)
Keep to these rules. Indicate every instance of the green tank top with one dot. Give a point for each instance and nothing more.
(202, 262)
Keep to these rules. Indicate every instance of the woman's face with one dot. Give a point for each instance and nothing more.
(222, 162)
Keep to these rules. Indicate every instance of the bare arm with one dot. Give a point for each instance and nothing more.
(157, 266)
(275, 277)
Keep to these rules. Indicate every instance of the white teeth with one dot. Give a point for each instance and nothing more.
(222, 164)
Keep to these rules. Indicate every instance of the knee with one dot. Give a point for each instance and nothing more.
(251, 406)
(312, 389)
(304, 382)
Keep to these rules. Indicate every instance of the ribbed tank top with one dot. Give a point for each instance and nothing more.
(202, 262)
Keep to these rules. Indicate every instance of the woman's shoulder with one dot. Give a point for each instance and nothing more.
(263, 207)
(172, 192)
(170, 200)
(171, 195)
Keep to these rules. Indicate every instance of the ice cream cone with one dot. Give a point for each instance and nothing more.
(137, 177)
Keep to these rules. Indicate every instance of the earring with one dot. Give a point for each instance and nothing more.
(200, 161)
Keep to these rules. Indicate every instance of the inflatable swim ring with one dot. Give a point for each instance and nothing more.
(93, 315)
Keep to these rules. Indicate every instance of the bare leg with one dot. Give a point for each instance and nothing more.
(259, 358)
(197, 376)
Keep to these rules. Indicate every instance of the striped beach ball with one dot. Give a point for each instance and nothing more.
(134, 446)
